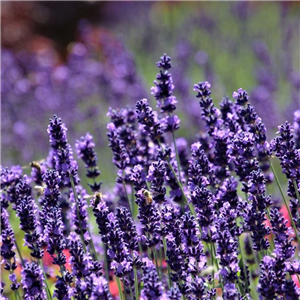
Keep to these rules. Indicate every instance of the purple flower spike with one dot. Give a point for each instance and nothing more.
(163, 90)
(241, 97)
(33, 282)
(85, 150)
(62, 154)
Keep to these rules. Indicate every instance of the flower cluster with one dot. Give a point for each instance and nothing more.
(182, 221)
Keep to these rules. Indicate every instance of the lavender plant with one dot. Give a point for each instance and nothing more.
(182, 222)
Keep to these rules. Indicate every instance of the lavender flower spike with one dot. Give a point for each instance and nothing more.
(85, 150)
(33, 282)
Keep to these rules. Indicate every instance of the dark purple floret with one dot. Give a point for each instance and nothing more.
(99, 288)
(191, 246)
(117, 251)
(53, 235)
(291, 291)
(284, 148)
(210, 114)
(175, 259)
(7, 248)
(163, 90)
(228, 193)
(33, 282)
(241, 151)
(153, 289)
(174, 293)
(51, 191)
(101, 212)
(156, 174)
(128, 228)
(85, 150)
(149, 217)
(203, 89)
(79, 259)
(120, 155)
(79, 213)
(62, 154)
(226, 251)
(170, 123)
(283, 244)
(200, 170)
(165, 62)
(63, 291)
(221, 160)
(138, 177)
(27, 212)
(241, 97)
(147, 117)
(230, 292)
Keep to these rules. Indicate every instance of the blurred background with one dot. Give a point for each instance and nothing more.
(77, 59)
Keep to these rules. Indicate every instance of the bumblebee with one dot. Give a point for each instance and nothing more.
(40, 190)
(36, 165)
(97, 198)
(147, 196)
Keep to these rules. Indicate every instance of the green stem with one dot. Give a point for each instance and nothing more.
(129, 202)
(156, 262)
(136, 284)
(92, 245)
(243, 263)
(285, 203)
(45, 280)
(190, 205)
(105, 262)
(125, 294)
(177, 155)
(77, 212)
(272, 235)
(120, 288)
(296, 189)
(130, 289)
(19, 252)
(169, 270)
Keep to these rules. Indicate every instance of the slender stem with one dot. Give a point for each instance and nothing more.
(169, 270)
(136, 284)
(134, 205)
(120, 288)
(243, 263)
(77, 211)
(129, 202)
(177, 155)
(92, 245)
(296, 189)
(45, 279)
(272, 235)
(156, 262)
(297, 194)
(130, 289)
(285, 203)
(19, 252)
(191, 206)
(105, 262)
(125, 294)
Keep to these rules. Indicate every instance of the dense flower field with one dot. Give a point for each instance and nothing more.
(183, 222)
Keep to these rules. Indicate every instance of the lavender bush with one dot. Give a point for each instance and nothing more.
(183, 222)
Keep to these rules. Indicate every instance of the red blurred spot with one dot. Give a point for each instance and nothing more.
(295, 279)
(113, 288)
